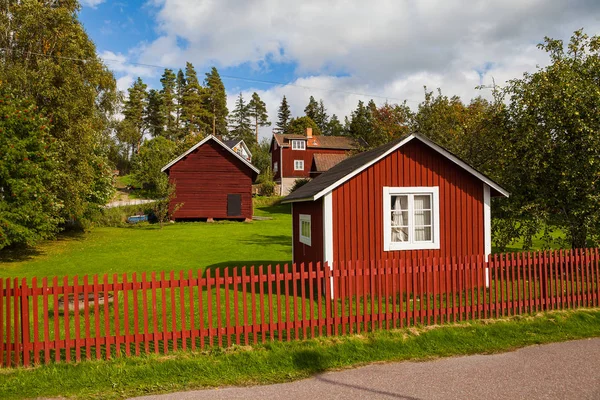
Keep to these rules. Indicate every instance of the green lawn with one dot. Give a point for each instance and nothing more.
(180, 246)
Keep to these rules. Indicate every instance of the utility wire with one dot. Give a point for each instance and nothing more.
(261, 81)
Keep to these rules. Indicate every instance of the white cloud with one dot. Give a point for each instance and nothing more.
(91, 3)
(127, 72)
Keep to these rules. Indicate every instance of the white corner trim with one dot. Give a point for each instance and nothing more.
(328, 229)
(487, 220)
(200, 143)
(293, 239)
(307, 240)
(434, 244)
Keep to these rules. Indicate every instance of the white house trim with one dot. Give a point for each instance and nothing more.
(206, 139)
(328, 235)
(426, 141)
(487, 227)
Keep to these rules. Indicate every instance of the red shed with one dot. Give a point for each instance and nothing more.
(213, 180)
(408, 199)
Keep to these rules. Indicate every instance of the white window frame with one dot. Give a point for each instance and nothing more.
(434, 244)
(275, 167)
(298, 145)
(295, 165)
(305, 239)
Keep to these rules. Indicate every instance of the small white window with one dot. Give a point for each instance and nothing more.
(298, 165)
(275, 167)
(305, 232)
(411, 218)
(298, 145)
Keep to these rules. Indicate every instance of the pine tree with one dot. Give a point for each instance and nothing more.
(169, 105)
(193, 112)
(239, 121)
(153, 115)
(179, 94)
(360, 124)
(134, 110)
(334, 127)
(283, 116)
(257, 109)
(215, 102)
(322, 118)
(312, 109)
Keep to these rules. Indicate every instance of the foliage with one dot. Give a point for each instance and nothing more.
(193, 112)
(334, 127)
(298, 183)
(257, 109)
(154, 154)
(267, 184)
(117, 216)
(318, 113)
(164, 208)
(283, 116)
(43, 44)
(551, 146)
(297, 126)
(154, 118)
(215, 102)
(134, 111)
(239, 122)
(360, 123)
(169, 109)
(261, 157)
(29, 207)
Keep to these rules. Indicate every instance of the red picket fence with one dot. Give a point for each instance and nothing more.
(93, 318)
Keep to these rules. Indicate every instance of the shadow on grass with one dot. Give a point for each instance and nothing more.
(269, 240)
(26, 253)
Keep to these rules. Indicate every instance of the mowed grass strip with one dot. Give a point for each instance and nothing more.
(281, 362)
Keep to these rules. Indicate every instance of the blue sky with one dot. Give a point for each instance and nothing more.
(337, 50)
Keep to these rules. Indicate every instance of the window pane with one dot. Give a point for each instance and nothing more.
(423, 234)
(422, 217)
(400, 202)
(399, 218)
(422, 202)
(400, 234)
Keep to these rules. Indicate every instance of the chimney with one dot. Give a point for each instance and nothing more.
(308, 133)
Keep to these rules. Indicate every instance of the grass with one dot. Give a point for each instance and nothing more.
(282, 362)
(144, 248)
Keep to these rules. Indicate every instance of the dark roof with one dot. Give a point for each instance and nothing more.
(336, 173)
(324, 162)
(327, 179)
(231, 143)
(318, 141)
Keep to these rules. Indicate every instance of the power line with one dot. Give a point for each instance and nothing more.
(239, 78)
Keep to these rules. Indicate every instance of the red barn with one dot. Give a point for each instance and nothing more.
(407, 199)
(297, 156)
(213, 180)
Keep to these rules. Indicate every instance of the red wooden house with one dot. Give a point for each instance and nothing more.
(297, 156)
(213, 180)
(407, 199)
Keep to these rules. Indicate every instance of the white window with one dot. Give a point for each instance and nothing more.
(411, 218)
(298, 165)
(275, 167)
(298, 145)
(305, 226)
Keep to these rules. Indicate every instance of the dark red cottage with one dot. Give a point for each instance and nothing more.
(407, 199)
(213, 180)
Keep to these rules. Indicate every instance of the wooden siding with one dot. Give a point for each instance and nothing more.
(358, 206)
(276, 157)
(204, 179)
(304, 253)
(290, 155)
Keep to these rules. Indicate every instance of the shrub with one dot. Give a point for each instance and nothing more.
(298, 183)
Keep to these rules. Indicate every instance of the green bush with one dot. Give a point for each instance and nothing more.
(298, 183)
(117, 216)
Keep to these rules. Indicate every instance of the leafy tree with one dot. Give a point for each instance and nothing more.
(134, 111)
(551, 147)
(42, 43)
(334, 127)
(283, 116)
(390, 122)
(261, 157)
(215, 101)
(153, 155)
(29, 206)
(194, 113)
(240, 122)
(154, 117)
(169, 105)
(257, 110)
(297, 126)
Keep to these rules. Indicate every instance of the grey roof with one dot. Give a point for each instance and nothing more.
(329, 178)
(231, 143)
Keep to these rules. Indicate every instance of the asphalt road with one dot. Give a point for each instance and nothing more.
(569, 370)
